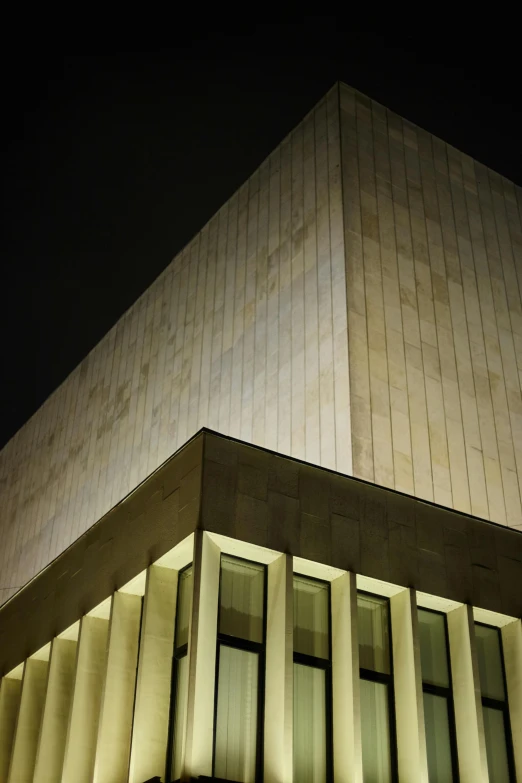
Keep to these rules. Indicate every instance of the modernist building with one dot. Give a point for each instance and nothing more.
(270, 529)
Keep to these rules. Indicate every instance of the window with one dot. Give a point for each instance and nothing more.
(438, 697)
(180, 672)
(494, 704)
(240, 671)
(312, 681)
(377, 715)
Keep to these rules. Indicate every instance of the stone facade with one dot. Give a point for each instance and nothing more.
(356, 304)
(244, 332)
(433, 245)
(249, 494)
(319, 515)
(87, 682)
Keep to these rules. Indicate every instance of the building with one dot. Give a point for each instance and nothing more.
(270, 528)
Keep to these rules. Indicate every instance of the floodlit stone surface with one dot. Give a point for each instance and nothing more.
(310, 512)
(151, 712)
(355, 304)
(412, 762)
(469, 725)
(433, 249)
(80, 746)
(116, 713)
(74, 687)
(55, 716)
(10, 691)
(25, 743)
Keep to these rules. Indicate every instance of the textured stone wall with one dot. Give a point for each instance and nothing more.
(243, 492)
(148, 524)
(434, 278)
(244, 332)
(269, 500)
(356, 304)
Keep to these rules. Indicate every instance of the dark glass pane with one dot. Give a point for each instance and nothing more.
(490, 661)
(495, 731)
(375, 731)
(438, 745)
(311, 617)
(236, 718)
(183, 605)
(373, 625)
(309, 724)
(242, 599)
(434, 658)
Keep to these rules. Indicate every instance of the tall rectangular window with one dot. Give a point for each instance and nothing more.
(495, 709)
(312, 681)
(438, 697)
(180, 672)
(240, 671)
(376, 681)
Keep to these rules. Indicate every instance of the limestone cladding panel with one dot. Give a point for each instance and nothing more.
(306, 511)
(244, 332)
(434, 278)
(402, 365)
(159, 514)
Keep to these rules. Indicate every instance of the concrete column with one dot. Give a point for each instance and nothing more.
(115, 727)
(51, 743)
(202, 658)
(91, 660)
(471, 746)
(345, 675)
(153, 688)
(23, 756)
(278, 727)
(512, 646)
(409, 706)
(10, 693)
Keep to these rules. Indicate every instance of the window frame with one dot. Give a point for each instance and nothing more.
(446, 693)
(177, 654)
(320, 663)
(254, 647)
(501, 706)
(388, 680)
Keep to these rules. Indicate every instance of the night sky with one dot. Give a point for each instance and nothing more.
(111, 162)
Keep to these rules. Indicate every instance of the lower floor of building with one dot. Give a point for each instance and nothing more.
(219, 657)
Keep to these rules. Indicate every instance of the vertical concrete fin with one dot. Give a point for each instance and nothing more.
(409, 710)
(202, 659)
(151, 714)
(53, 733)
(115, 726)
(279, 673)
(29, 721)
(80, 744)
(345, 680)
(471, 746)
(10, 693)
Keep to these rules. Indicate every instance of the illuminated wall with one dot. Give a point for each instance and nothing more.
(355, 304)
(86, 669)
(93, 705)
(244, 332)
(434, 281)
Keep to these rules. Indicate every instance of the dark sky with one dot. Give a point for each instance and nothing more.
(111, 162)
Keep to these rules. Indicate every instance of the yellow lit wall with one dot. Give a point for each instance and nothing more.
(244, 332)
(355, 304)
(434, 280)
(108, 719)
